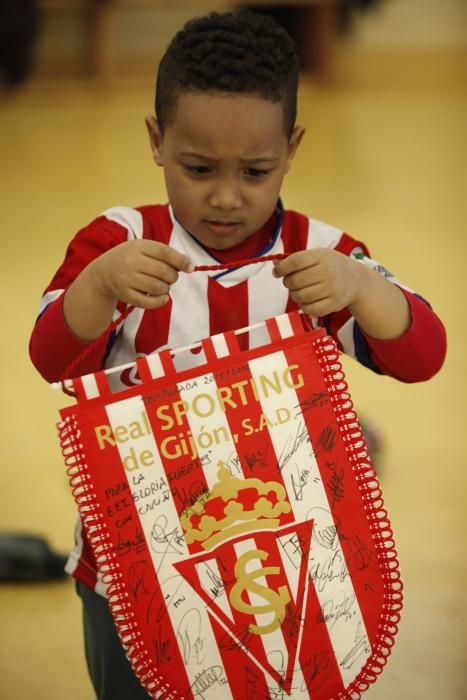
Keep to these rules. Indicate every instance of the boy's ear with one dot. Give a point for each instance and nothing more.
(294, 142)
(155, 138)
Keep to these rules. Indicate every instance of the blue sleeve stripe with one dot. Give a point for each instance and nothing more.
(422, 299)
(110, 343)
(362, 352)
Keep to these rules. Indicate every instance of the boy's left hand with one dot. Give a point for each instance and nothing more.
(322, 281)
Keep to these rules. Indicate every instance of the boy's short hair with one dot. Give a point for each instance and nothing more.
(233, 52)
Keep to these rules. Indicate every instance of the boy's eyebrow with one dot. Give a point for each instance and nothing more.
(261, 159)
(265, 159)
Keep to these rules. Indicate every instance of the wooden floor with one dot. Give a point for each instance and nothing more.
(384, 159)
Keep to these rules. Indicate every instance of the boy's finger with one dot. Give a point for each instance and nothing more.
(280, 268)
(172, 257)
(293, 263)
(177, 260)
(275, 271)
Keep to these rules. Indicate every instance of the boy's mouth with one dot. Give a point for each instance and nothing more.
(221, 226)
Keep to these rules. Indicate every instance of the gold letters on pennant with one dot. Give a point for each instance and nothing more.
(246, 581)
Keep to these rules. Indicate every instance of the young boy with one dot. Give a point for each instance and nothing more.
(225, 135)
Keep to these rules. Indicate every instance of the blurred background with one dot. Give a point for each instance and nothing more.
(384, 99)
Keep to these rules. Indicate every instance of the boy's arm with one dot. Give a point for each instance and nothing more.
(75, 309)
(53, 346)
(402, 336)
(415, 356)
(137, 272)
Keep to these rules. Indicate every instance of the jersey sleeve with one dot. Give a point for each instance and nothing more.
(415, 356)
(419, 353)
(53, 346)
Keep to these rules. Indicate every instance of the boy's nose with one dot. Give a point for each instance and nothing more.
(225, 196)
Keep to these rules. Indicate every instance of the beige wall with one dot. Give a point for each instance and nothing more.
(414, 24)
(141, 33)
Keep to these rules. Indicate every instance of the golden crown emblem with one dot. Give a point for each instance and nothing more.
(233, 506)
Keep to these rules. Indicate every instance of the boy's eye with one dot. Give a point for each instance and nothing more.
(255, 172)
(197, 169)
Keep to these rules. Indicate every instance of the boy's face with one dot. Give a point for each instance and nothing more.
(224, 159)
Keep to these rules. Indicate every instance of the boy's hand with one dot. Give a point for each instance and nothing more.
(322, 281)
(138, 272)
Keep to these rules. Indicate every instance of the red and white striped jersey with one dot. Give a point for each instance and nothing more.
(205, 303)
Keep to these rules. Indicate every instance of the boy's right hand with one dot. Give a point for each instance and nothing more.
(138, 272)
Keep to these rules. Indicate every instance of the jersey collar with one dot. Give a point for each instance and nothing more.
(199, 255)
